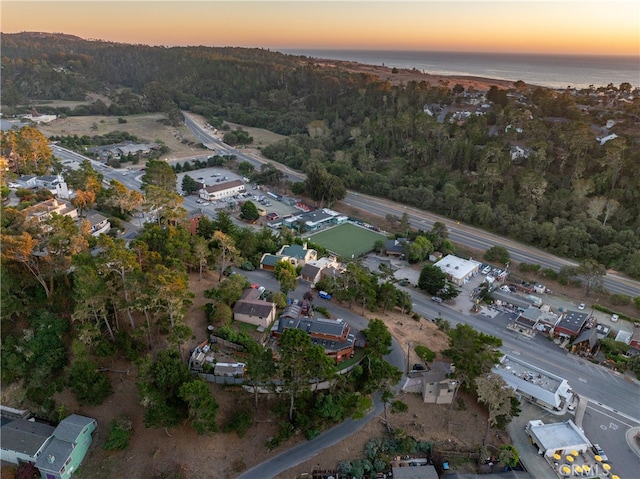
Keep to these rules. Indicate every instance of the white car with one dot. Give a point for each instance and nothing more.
(614, 317)
(14, 185)
(581, 306)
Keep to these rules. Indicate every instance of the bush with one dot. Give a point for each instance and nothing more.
(88, 384)
(425, 353)
(620, 299)
(120, 431)
(529, 268)
(549, 273)
(239, 422)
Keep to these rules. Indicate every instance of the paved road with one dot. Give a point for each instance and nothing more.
(471, 237)
(608, 393)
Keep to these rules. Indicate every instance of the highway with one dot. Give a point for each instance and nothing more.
(604, 389)
(465, 235)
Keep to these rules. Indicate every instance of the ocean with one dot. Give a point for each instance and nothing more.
(554, 71)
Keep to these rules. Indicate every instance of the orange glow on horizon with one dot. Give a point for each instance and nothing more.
(587, 27)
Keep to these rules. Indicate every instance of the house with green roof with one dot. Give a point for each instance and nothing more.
(297, 255)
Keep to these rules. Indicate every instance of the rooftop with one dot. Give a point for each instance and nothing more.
(559, 435)
(457, 267)
(573, 321)
(532, 381)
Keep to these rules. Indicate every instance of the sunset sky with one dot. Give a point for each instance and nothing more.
(576, 27)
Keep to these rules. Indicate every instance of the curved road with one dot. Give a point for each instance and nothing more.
(465, 235)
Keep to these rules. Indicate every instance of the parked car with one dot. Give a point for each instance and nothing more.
(436, 299)
(324, 295)
(581, 306)
(597, 450)
(615, 317)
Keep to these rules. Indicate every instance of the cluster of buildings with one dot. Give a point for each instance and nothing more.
(44, 210)
(120, 151)
(56, 452)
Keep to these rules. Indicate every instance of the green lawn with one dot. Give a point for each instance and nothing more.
(347, 240)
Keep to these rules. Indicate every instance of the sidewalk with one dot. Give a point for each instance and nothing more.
(633, 444)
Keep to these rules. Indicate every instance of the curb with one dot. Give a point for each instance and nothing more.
(631, 441)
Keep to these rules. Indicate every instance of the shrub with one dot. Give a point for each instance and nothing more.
(549, 273)
(620, 299)
(239, 422)
(529, 268)
(88, 384)
(120, 431)
(425, 353)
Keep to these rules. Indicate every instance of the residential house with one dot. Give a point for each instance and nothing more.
(459, 271)
(49, 182)
(570, 324)
(313, 271)
(253, 310)
(99, 224)
(519, 152)
(395, 247)
(43, 211)
(23, 440)
(221, 191)
(435, 384)
(538, 386)
(56, 452)
(557, 438)
(67, 448)
(334, 335)
(27, 181)
(297, 255)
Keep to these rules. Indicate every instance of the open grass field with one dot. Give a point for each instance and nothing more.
(347, 240)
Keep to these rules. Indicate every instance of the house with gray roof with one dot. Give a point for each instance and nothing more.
(334, 335)
(395, 247)
(65, 452)
(56, 452)
(435, 384)
(253, 310)
(24, 440)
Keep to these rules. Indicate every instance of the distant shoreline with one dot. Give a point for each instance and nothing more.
(405, 75)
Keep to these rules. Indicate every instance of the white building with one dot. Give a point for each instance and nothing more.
(222, 190)
(557, 438)
(539, 386)
(458, 270)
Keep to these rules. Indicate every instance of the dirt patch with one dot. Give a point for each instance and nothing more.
(147, 128)
(156, 453)
(261, 137)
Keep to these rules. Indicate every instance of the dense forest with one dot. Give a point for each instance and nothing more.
(570, 194)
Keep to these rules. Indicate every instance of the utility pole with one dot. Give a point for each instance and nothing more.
(408, 346)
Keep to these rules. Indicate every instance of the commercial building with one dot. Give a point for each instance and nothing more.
(459, 271)
(538, 386)
(560, 438)
(221, 191)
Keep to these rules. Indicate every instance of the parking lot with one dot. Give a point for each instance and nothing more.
(255, 193)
